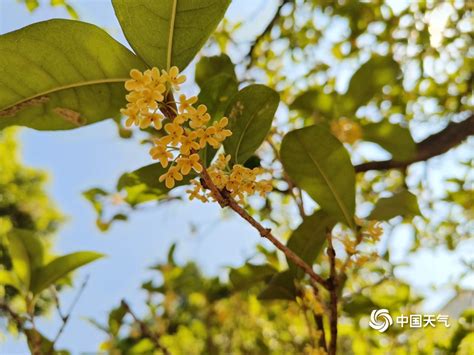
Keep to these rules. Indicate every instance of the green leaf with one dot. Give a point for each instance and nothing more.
(281, 286)
(314, 101)
(62, 74)
(371, 77)
(320, 164)
(115, 319)
(20, 260)
(209, 67)
(250, 274)
(169, 32)
(359, 305)
(9, 278)
(33, 245)
(216, 94)
(250, 114)
(395, 139)
(403, 203)
(59, 268)
(308, 239)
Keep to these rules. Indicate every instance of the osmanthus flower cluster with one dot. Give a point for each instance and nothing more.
(183, 134)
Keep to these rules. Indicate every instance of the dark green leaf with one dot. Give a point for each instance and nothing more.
(169, 32)
(320, 164)
(115, 319)
(62, 74)
(281, 286)
(395, 139)
(250, 114)
(20, 260)
(209, 67)
(250, 274)
(308, 239)
(403, 203)
(59, 268)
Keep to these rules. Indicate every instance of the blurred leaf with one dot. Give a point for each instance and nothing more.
(250, 114)
(249, 274)
(371, 77)
(281, 286)
(403, 203)
(320, 164)
(45, 345)
(33, 246)
(115, 319)
(395, 139)
(359, 305)
(308, 239)
(20, 260)
(209, 67)
(169, 32)
(312, 101)
(60, 267)
(62, 74)
(9, 278)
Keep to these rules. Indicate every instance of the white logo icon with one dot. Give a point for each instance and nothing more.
(380, 320)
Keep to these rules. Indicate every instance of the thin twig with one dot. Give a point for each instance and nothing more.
(265, 32)
(333, 286)
(65, 317)
(226, 200)
(144, 328)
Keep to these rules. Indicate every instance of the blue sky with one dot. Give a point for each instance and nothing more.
(94, 156)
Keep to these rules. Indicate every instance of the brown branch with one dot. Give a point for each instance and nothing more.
(439, 143)
(265, 32)
(225, 200)
(333, 286)
(320, 323)
(144, 328)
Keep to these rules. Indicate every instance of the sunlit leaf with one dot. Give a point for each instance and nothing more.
(62, 74)
(371, 77)
(169, 32)
(395, 139)
(403, 203)
(320, 164)
(60, 267)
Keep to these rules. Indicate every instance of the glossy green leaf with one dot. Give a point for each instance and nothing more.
(371, 77)
(320, 164)
(62, 74)
(403, 203)
(59, 268)
(308, 239)
(250, 274)
(395, 139)
(250, 114)
(169, 32)
(209, 67)
(281, 286)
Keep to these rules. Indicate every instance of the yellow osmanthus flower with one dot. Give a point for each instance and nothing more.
(346, 130)
(171, 176)
(186, 131)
